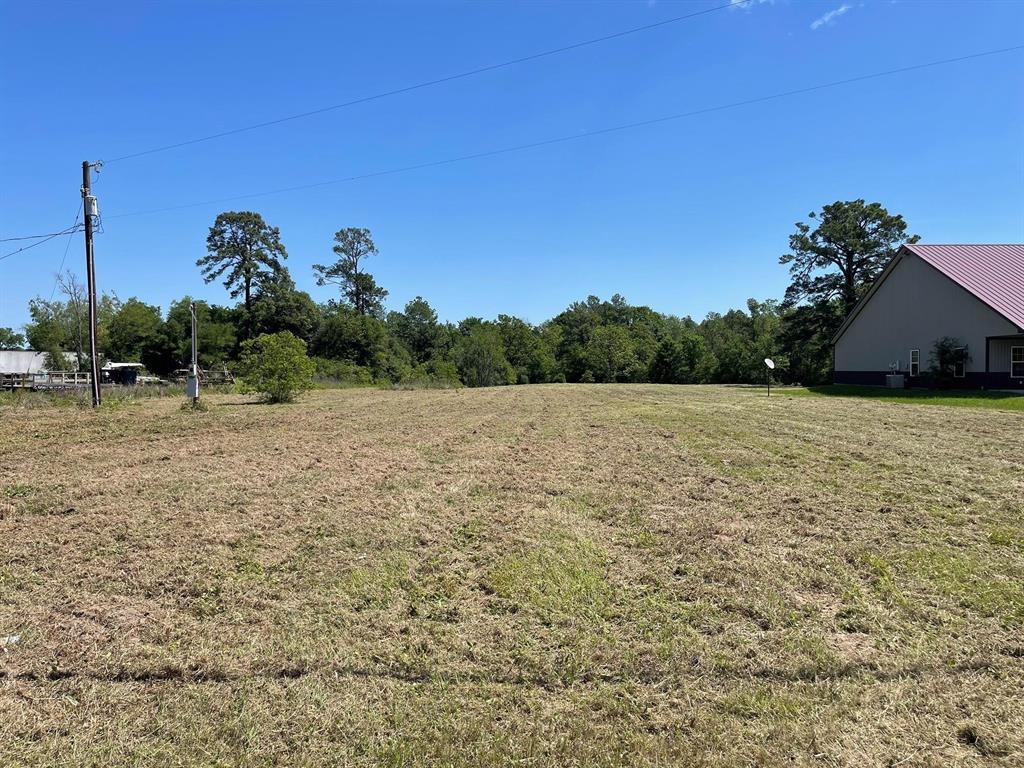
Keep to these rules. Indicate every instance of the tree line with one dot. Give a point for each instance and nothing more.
(354, 339)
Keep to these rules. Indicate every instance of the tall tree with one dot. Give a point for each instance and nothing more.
(358, 288)
(417, 329)
(277, 305)
(134, 329)
(480, 356)
(172, 347)
(844, 253)
(242, 245)
(11, 340)
(77, 310)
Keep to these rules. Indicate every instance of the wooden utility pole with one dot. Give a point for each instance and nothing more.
(91, 210)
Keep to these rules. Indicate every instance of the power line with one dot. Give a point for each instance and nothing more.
(63, 258)
(33, 245)
(585, 134)
(427, 83)
(38, 237)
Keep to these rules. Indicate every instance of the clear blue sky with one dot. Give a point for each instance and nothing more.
(687, 216)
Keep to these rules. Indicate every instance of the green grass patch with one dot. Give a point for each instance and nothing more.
(16, 491)
(969, 398)
(761, 703)
(377, 584)
(562, 577)
(1005, 536)
(976, 585)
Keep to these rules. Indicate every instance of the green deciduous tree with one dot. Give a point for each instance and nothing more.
(611, 355)
(134, 329)
(277, 305)
(526, 350)
(685, 360)
(63, 326)
(173, 348)
(243, 249)
(480, 356)
(358, 288)
(11, 340)
(417, 328)
(47, 329)
(364, 340)
(806, 336)
(277, 365)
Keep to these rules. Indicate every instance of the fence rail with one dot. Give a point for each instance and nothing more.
(50, 380)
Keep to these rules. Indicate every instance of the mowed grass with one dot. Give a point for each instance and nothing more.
(552, 575)
(964, 398)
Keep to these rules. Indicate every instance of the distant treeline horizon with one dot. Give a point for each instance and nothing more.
(353, 339)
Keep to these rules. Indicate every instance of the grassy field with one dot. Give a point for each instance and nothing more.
(561, 575)
(969, 398)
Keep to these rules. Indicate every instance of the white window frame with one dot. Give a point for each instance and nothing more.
(915, 365)
(960, 365)
(1020, 375)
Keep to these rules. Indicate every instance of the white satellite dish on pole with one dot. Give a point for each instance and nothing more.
(768, 374)
(770, 363)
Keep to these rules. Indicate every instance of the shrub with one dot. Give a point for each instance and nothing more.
(276, 364)
(342, 373)
(948, 354)
(436, 373)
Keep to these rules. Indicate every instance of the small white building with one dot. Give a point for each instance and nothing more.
(28, 361)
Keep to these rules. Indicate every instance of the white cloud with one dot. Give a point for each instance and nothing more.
(831, 16)
(735, 4)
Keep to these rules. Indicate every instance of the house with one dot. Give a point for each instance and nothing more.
(974, 293)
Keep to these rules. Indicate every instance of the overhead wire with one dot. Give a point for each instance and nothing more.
(583, 135)
(40, 242)
(63, 258)
(428, 83)
(37, 237)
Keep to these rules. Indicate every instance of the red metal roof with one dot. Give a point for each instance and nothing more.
(993, 273)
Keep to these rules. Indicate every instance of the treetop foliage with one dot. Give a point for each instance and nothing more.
(844, 254)
(245, 250)
(358, 288)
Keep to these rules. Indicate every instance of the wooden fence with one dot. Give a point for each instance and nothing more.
(51, 380)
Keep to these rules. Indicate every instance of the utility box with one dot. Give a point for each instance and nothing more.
(895, 381)
(192, 387)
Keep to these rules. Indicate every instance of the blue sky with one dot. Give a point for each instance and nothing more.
(687, 216)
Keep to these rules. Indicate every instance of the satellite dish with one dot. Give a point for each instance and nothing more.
(770, 363)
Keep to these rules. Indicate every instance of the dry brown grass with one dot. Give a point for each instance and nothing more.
(559, 575)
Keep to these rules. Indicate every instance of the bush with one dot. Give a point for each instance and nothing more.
(436, 373)
(342, 373)
(276, 364)
(948, 354)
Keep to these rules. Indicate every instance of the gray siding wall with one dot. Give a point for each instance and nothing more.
(915, 305)
(999, 353)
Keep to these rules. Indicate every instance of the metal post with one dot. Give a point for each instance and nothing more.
(193, 379)
(90, 270)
